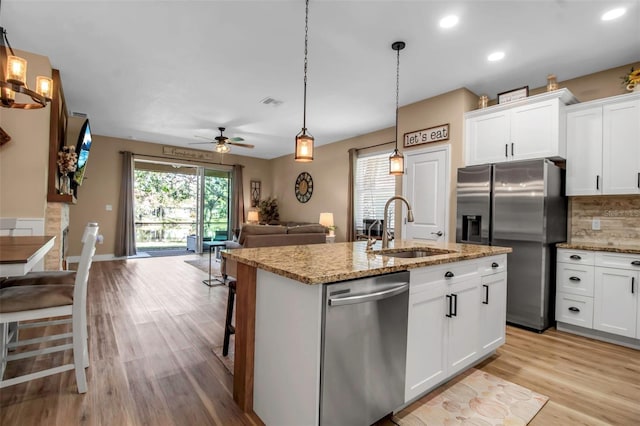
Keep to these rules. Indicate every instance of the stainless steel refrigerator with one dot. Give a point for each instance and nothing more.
(518, 204)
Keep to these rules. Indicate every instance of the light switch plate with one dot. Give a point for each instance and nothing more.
(108, 207)
(595, 224)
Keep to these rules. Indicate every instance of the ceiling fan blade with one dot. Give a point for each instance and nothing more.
(201, 143)
(205, 138)
(244, 145)
(237, 139)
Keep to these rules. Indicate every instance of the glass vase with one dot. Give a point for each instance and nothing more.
(65, 184)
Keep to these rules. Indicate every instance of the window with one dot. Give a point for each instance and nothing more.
(373, 187)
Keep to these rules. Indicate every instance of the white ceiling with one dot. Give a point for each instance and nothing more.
(165, 71)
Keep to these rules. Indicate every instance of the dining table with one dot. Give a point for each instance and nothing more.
(18, 255)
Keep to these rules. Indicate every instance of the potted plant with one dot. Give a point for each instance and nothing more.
(268, 211)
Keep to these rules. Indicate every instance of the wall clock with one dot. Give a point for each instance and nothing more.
(304, 187)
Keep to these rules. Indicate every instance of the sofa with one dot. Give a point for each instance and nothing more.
(270, 236)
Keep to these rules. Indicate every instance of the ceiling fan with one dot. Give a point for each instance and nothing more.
(222, 142)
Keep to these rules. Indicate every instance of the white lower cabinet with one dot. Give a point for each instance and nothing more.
(449, 326)
(599, 291)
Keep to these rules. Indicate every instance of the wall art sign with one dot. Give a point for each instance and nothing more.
(432, 134)
(513, 95)
(255, 192)
(191, 154)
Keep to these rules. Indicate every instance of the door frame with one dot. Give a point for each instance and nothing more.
(447, 184)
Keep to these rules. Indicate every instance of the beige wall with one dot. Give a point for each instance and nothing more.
(24, 160)
(101, 186)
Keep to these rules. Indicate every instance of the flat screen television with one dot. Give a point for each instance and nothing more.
(78, 134)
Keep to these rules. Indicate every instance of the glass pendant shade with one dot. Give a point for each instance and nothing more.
(222, 148)
(16, 70)
(304, 146)
(396, 163)
(8, 96)
(44, 86)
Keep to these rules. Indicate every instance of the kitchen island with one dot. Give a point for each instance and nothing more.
(283, 285)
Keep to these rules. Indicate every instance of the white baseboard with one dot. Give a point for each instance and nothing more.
(96, 258)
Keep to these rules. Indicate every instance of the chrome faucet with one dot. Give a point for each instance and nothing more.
(372, 241)
(385, 235)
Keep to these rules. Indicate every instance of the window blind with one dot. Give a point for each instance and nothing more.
(373, 186)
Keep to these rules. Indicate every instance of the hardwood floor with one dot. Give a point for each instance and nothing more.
(153, 325)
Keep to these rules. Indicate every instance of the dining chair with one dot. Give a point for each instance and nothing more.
(46, 277)
(45, 303)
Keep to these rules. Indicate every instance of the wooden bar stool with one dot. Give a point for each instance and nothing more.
(228, 328)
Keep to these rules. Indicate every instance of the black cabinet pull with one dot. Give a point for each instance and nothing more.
(636, 263)
(486, 294)
(455, 305)
(598, 182)
(633, 280)
(574, 279)
(574, 309)
(506, 150)
(575, 257)
(495, 265)
(448, 315)
(638, 180)
(448, 274)
(512, 148)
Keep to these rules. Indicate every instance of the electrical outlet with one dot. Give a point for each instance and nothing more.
(595, 224)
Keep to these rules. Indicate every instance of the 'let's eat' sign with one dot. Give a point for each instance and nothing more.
(432, 134)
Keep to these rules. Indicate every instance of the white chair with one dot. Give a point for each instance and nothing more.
(43, 302)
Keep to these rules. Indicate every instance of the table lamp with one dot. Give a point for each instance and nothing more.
(326, 220)
(252, 216)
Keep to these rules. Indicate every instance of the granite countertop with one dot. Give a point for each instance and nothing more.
(597, 247)
(327, 263)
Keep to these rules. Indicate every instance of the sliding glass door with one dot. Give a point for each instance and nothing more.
(214, 201)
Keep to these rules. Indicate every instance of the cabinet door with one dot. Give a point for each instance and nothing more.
(621, 149)
(487, 138)
(584, 152)
(464, 324)
(493, 312)
(426, 333)
(535, 131)
(615, 301)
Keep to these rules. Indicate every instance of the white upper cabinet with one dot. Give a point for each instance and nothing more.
(526, 129)
(603, 146)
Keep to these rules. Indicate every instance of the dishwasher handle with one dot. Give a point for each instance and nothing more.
(368, 297)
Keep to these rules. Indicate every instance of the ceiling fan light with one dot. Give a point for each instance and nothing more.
(396, 163)
(222, 148)
(304, 146)
(16, 70)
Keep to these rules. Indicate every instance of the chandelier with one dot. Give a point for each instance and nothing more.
(13, 79)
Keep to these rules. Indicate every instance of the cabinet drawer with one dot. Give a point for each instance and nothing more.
(583, 257)
(575, 279)
(492, 265)
(574, 309)
(618, 260)
(460, 271)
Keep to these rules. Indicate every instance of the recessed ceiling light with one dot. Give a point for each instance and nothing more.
(614, 14)
(495, 56)
(449, 21)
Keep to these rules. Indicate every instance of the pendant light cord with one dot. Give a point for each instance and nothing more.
(397, 94)
(306, 40)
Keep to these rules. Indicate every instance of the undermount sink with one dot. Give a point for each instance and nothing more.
(412, 253)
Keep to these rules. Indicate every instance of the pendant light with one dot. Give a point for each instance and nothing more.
(13, 79)
(396, 160)
(304, 141)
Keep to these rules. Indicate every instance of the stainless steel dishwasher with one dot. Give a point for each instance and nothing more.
(364, 343)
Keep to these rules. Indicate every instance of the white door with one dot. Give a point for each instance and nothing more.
(426, 185)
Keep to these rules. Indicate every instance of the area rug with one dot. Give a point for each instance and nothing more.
(227, 361)
(202, 263)
(475, 398)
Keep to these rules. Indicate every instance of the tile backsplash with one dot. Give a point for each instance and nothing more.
(619, 218)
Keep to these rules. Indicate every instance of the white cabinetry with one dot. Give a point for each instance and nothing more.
(493, 315)
(449, 326)
(603, 153)
(598, 291)
(526, 129)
